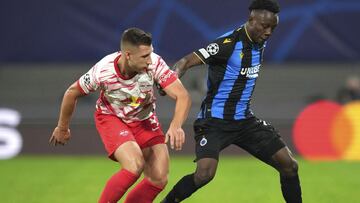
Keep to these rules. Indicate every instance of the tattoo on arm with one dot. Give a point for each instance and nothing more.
(186, 63)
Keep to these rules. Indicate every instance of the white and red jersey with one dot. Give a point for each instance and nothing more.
(130, 99)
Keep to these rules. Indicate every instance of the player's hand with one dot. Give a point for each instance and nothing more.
(176, 135)
(60, 136)
(160, 89)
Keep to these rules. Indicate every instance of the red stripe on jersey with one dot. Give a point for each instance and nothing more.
(117, 69)
(107, 103)
(112, 83)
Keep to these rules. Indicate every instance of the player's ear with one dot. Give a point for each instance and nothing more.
(127, 55)
(252, 17)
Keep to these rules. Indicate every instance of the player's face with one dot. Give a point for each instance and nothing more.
(139, 57)
(263, 24)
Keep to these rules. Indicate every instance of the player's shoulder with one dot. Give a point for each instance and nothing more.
(155, 57)
(224, 41)
(105, 66)
(157, 61)
(110, 58)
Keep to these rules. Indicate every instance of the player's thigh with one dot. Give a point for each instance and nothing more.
(156, 161)
(113, 132)
(261, 140)
(208, 140)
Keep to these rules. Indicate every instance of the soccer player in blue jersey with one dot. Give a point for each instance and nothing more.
(234, 61)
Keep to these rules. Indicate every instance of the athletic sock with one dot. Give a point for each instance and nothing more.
(182, 190)
(291, 189)
(117, 185)
(144, 192)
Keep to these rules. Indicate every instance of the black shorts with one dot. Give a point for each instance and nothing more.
(253, 135)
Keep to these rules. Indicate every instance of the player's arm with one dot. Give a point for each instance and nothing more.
(183, 102)
(216, 52)
(61, 133)
(86, 84)
(186, 63)
(182, 66)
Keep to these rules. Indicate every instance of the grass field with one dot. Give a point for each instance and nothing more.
(59, 179)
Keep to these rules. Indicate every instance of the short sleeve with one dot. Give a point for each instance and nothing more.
(163, 75)
(218, 51)
(88, 82)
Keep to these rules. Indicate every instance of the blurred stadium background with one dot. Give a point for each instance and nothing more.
(47, 45)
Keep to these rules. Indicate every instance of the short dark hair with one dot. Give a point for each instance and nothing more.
(269, 5)
(136, 36)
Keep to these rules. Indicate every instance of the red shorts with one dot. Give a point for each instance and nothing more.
(114, 132)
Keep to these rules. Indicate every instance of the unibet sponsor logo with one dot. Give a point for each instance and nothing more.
(252, 72)
(326, 130)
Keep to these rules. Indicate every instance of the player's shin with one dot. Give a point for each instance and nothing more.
(144, 192)
(117, 185)
(290, 187)
(182, 190)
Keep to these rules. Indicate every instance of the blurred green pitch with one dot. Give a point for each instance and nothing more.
(80, 179)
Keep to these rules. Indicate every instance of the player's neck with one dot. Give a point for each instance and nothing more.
(248, 31)
(124, 68)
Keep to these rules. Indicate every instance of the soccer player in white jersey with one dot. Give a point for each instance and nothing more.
(125, 116)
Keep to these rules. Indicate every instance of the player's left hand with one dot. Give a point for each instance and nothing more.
(60, 136)
(176, 135)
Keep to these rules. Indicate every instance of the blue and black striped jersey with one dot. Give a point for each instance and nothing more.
(233, 66)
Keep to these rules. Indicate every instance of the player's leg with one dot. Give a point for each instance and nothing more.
(287, 166)
(155, 175)
(189, 184)
(264, 142)
(151, 139)
(208, 146)
(121, 147)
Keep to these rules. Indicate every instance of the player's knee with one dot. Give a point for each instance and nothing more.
(290, 168)
(204, 176)
(159, 177)
(136, 165)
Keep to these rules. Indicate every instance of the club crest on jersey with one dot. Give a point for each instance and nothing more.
(212, 48)
(252, 72)
(203, 141)
(124, 133)
(133, 101)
